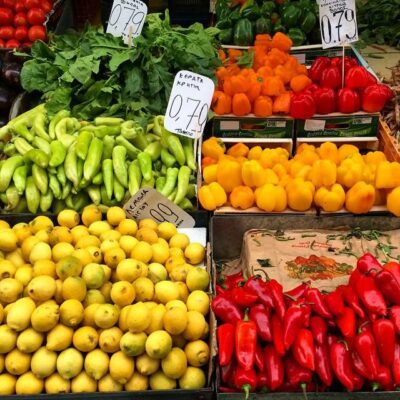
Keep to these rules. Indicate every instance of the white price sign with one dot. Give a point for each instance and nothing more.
(148, 203)
(338, 22)
(189, 104)
(127, 19)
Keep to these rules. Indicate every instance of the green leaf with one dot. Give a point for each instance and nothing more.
(83, 68)
(246, 60)
(41, 76)
(58, 100)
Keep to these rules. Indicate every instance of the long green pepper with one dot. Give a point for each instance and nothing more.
(7, 171)
(183, 183)
(46, 200)
(119, 165)
(13, 198)
(42, 144)
(40, 178)
(38, 157)
(32, 195)
(119, 190)
(172, 177)
(56, 119)
(83, 143)
(135, 177)
(58, 153)
(108, 177)
(54, 186)
(19, 178)
(146, 166)
(22, 146)
(93, 160)
(108, 145)
(71, 165)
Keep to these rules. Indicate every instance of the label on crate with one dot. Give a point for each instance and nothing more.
(314, 124)
(148, 203)
(127, 19)
(338, 22)
(188, 104)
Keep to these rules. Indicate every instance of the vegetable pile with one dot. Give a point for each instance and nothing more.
(326, 177)
(309, 340)
(93, 73)
(60, 161)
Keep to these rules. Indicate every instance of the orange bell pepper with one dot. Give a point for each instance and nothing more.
(221, 103)
(213, 148)
(229, 174)
(282, 104)
(299, 83)
(272, 86)
(242, 197)
(263, 106)
(206, 161)
(281, 41)
(241, 105)
(238, 150)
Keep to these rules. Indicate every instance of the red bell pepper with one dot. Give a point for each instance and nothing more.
(385, 339)
(323, 364)
(224, 389)
(262, 383)
(259, 359)
(383, 380)
(302, 106)
(369, 265)
(261, 289)
(358, 381)
(359, 367)
(348, 63)
(331, 77)
(334, 301)
(396, 365)
(358, 78)
(317, 301)
(331, 339)
(365, 346)
(341, 364)
(303, 349)
(351, 299)
(227, 373)
(370, 296)
(394, 315)
(245, 380)
(296, 374)
(311, 88)
(226, 309)
(319, 329)
(259, 314)
(245, 343)
(318, 67)
(277, 335)
(231, 281)
(299, 291)
(273, 367)
(374, 98)
(292, 323)
(277, 297)
(347, 322)
(243, 297)
(348, 101)
(226, 343)
(388, 282)
(325, 100)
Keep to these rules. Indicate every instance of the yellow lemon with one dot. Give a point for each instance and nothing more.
(138, 318)
(176, 304)
(179, 240)
(83, 383)
(147, 365)
(133, 344)
(16, 362)
(176, 252)
(27, 246)
(19, 316)
(99, 227)
(175, 320)
(96, 363)
(7, 269)
(195, 326)
(198, 301)
(69, 363)
(41, 222)
(108, 244)
(108, 384)
(88, 315)
(85, 339)
(114, 256)
(8, 339)
(77, 232)
(95, 252)
(142, 252)
(22, 231)
(68, 218)
(91, 214)
(43, 363)
(74, 287)
(16, 258)
(94, 296)
(122, 367)
(138, 382)
(166, 291)
(180, 272)
(43, 235)
(122, 321)
(157, 272)
(129, 270)
(55, 384)
(160, 253)
(195, 253)
(193, 379)
(59, 338)
(83, 255)
(60, 234)
(127, 243)
(166, 230)
(42, 288)
(147, 235)
(110, 235)
(157, 315)
(10, 290)
(8, 240)
(159, 381)
(40, 251)
(148, 223)
(7, 384)
(173, 262)
(122, 293)
(109, 339)
(44, 267)
(29, 340)
(71, 312)
(87, 241)
(68, 266)
(127, 227)
(93, 275)
(158, 344)
(174, 365)
(28, 384)
(106, 316)
(24, 275)
(197, 353)
(144, 289)
(61, 250)
(115, 215)
(197, 279)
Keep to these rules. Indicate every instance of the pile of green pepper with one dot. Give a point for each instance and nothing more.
(63, 162)
(241, 23)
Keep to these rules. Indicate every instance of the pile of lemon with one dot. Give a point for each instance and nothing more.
(106, 305)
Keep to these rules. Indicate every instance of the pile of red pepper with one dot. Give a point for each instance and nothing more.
(326, 95)
(309, 340)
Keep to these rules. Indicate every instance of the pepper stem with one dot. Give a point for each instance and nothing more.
(304, 389)
(246, 389)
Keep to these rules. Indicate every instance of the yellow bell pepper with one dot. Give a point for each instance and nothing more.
(271, 198)
(346, 150)
(285, 180)
(242, 197)
(298, 169)
(328, 151)
(212, 196)
(255, 153)
(323, 173)
(253, 174)
(279, 170)
(213, 147)
(350, 172)
(308, 157)
(360, 198)
(229, 174)
(387, 175)
(374, 157)
(300, 194)
(393, 202)
(330, 199)
(304, 147)
(271, 157)
(369, 173)
(210, 173)
(238, 150)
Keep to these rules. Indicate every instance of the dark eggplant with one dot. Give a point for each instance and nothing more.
(3, 121)
(6, 98)
(11, 73)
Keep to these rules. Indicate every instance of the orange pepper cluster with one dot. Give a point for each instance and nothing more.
(326, 177)
(264, 89)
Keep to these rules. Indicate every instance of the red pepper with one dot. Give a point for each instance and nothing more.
(354, 277)
(331, 339)
(245, 380)
(292, 323)
(348, 63)
(325, 100)
(317, 301)
(245, 343)
(385, 338)
(383, 379)
(357, 78)
(394, 315)
(388, 282)
(277, 297)
(319, 329)
(370, 296)
(231, 281)
(220, 290)
(224, 389)
(273, 367)
(259, 359)
(341, 364)
(259, 314)
(331, 77)
(227, 373)
(311, 88)
(365, 346)
(348, 101)
(351, 299)
(296, 374)
(323, 364)
(358, 381)
(396, 365)
(226, 309)
(318, 67)
(243, 297)
(302, 106)
(299, 291)
(369, 265)
(277, 335)
(334, 301)
(359, 367)
(303, 349)
(261, 289)
(347, 323)
(226, 343)
(262, 383)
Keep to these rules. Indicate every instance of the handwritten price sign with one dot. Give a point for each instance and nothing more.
(338, 22)
(127, 19)
(189, 104)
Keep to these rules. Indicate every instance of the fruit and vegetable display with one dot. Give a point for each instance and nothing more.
(60, 161)
(106, 305)
(240, 21)
(309, 340)
(327, 177)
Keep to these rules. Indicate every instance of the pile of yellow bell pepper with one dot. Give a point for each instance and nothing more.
(326, 177)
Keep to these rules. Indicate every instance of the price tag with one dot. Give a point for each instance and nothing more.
(148, 203)
(127, 19)
(189, 104)
(338, 22)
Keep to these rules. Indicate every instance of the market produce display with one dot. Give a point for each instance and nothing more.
(240, 21)
(57, 162)
(308, 340)
(327, 177)
(101, 305)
